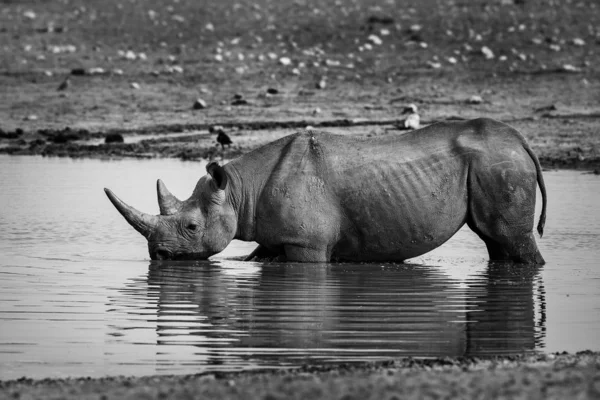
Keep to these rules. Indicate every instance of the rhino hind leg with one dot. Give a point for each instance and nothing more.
(501, 212)
(520, 249)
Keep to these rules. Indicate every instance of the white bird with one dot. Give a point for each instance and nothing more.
(413, 121)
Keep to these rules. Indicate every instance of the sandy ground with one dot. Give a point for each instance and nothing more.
(561, 376)
(72, 73)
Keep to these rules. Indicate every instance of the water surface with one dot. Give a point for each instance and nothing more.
(79, 297)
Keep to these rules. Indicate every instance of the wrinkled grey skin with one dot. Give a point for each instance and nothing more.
(318, 197)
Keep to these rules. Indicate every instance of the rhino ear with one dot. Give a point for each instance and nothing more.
(218, 174)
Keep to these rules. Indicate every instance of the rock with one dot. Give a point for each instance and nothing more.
(316, 111)
(285, 61)
(374, 19)
(239, 102)
(434, 64)
(29, 14)
(117, 71)
(487, 53)
(199, 104)
(452, 60)
(375, 40)
(570, 68)
(78, 71)
(321, 84)
(551, 107)
(209, 27)
(11, 135)
(96, 71)
(475, 99)
(272, 91)
(578, 42)
(134, 85)
(114, 138)
(31, 117)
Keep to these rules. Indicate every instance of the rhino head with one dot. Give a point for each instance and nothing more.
(196, 228)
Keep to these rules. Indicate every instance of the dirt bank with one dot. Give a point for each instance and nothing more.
(561, 376)
(71, 73)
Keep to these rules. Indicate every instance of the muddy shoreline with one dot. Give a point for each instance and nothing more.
(553, 376)
(191, 142)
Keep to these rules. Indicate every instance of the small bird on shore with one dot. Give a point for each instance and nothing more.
(64, 85)
(223, 139)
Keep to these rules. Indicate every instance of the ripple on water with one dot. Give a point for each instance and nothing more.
(77, 297)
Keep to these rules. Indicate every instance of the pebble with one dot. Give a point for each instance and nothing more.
(554, 47)
(114, 138)
(570, 68)
(321, 84)
(487, 53)
(316, 111)
(579, 42)
(475, 99)
(199, 104)
(375, 40)
(285, 61)
(96, 71)
(135, 85)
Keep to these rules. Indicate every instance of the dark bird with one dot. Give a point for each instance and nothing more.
(223, 139)
(64, 85)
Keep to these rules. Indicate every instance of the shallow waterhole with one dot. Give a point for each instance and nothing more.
(79, 297)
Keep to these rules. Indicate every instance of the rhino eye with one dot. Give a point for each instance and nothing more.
(192, 227)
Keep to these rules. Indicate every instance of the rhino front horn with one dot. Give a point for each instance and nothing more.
(167, 203)
(141, 222)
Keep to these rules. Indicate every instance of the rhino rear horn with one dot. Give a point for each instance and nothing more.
(167, 203)
(141, 222)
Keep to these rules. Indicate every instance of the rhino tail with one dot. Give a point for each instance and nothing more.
(542, 185)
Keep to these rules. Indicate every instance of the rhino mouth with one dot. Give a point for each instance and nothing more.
(163, 254)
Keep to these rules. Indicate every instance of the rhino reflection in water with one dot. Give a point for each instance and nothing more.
(344, 309)
(318, 197)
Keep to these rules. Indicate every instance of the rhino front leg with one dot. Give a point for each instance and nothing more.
(304, 254)
(261, 253)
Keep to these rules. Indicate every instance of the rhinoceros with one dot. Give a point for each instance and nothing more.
(320, 197)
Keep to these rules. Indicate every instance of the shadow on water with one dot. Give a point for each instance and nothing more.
(252, 314)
